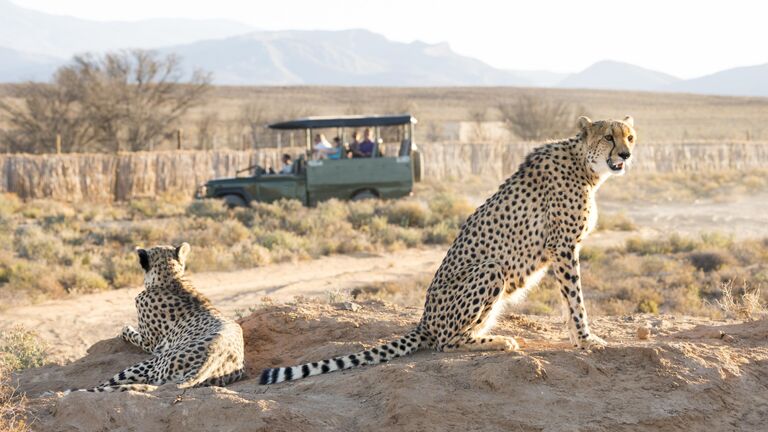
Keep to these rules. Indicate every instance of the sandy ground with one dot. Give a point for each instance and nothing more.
(70, 326)
(685, 378)
(84, 320)
(691, 375)
(742, 217)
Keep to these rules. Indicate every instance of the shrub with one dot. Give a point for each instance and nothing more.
(708, 261)
(9, 204)
(78, 280)
(35, 244)
(122, 270)
(441, 233)
(21, 349)
(447, 206)
(207, 208)
(407, 214)
(648, 306)
(13, 410)
(674, 244)
(615, 222)
(361, 213)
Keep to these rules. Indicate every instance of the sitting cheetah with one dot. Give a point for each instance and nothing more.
(536, 220)
(191, 342)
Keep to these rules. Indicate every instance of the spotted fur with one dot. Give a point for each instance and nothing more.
(536, 221)
(191, 342)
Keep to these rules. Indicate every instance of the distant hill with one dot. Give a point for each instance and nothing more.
(17, 66)
(615, 75)
(742, 81)
(347, 57)
(36, 32)
(33, 44)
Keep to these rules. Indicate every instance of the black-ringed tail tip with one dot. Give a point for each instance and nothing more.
(381, 354)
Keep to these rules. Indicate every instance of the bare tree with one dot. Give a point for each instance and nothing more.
(535, 119)
(253, 120)
(206, 129)
(135, 97)
(124, 100)
(479, 116)
(45, 111)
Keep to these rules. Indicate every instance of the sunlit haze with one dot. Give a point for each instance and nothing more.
(685, 39)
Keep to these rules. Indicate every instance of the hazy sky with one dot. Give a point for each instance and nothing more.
(683, 38)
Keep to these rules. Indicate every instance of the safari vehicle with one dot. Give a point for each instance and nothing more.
(312, 181)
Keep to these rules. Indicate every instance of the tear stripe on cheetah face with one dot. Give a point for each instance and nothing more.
(191, 342)
(534, 222)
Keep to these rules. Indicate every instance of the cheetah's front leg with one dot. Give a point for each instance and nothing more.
(567, 270)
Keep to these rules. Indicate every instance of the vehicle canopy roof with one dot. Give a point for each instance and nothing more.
(345, 121)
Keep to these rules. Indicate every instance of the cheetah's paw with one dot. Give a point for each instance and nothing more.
(592, 342)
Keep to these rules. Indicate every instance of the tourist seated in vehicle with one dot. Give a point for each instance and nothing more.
(322, 147)
(354, 146)
(287, 165)
(367, 145)
(338, 149)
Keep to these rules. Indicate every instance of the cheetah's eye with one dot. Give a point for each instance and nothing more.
(609, 138)
(630, 138)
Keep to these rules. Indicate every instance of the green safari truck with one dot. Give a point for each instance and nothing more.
(380, 175)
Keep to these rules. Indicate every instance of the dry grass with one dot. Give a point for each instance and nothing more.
(747, 306)
(660, 116)
(648, 276)
(685, 186)
(615, 222)
(52, 250)
(13, 410)
(21, 348)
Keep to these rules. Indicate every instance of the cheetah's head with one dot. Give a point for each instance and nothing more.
(609, 144)
(161, 262)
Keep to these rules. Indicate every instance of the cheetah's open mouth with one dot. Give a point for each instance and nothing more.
(618, 166)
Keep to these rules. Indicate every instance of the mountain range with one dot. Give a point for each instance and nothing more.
(33, 44)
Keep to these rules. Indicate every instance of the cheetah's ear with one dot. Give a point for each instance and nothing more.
(584, 122)
(143, 258)
(629, 121)
(182, 252)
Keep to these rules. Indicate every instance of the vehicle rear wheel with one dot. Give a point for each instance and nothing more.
(363, 195)
(234, 201)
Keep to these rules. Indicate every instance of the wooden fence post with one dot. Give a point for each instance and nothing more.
(178, 139)
(58, 143)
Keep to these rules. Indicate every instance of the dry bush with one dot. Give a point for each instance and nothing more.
(686, 186)
(21, 349)
(115, 101)
(708, 261)
(747, 306)
(615, 222)
(407, 214)
(13, 410)
(206, 131)
(535, 119)
(404, 292)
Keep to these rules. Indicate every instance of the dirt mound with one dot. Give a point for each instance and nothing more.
(690, 375)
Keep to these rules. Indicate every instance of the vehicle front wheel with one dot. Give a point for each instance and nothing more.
(234, 201)
(364, 195)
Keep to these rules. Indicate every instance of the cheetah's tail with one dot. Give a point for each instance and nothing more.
(115, 388)
(381, 354)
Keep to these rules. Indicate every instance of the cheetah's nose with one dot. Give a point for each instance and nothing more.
(625, 155)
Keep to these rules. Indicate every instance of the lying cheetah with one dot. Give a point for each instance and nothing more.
(191, 342)
(536, 220)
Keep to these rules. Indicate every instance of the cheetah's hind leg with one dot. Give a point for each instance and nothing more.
(481, 302)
